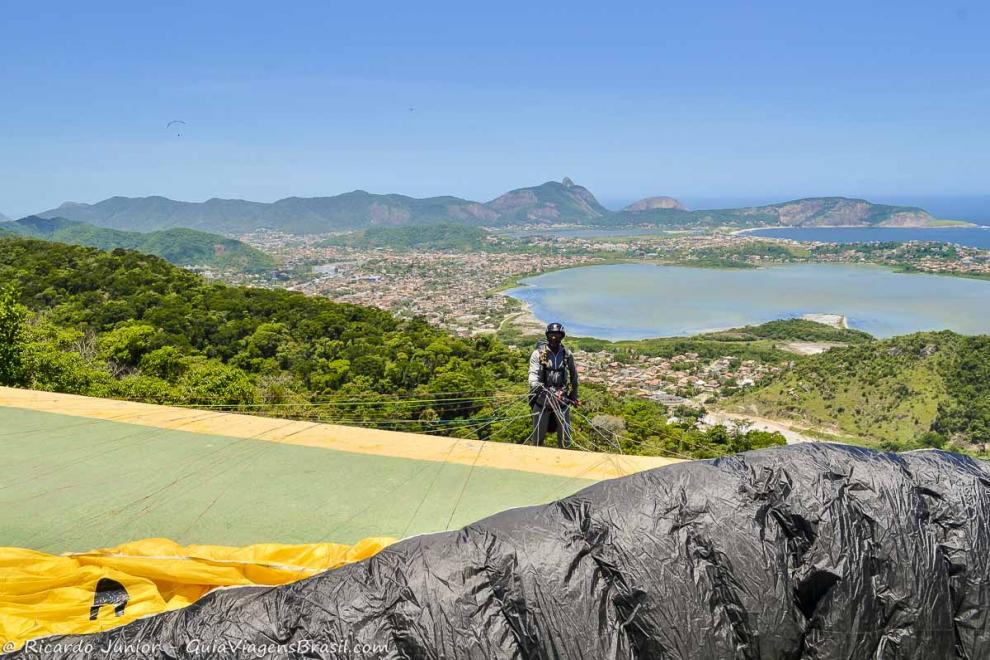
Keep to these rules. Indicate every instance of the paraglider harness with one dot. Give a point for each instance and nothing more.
(553, 382)
(553, 376)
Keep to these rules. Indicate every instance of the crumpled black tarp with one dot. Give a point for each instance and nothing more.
(807, 551)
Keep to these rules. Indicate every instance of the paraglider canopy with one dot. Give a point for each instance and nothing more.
(175, 122)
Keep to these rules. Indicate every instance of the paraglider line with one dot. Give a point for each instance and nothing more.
(205, 464)
(460, 496)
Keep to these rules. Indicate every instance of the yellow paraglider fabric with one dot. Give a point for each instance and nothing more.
(43, 594)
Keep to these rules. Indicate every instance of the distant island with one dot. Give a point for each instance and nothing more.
(809, 212)
(182, 247)
(551, 203)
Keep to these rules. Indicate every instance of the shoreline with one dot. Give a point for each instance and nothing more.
(953, 224)
(524, 321)
(777, 227)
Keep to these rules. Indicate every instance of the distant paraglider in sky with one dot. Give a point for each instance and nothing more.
(175, 122)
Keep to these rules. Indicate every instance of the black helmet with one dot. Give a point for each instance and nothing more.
(555, 328)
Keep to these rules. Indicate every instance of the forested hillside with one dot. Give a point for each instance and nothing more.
(129, 325)
(183, 247)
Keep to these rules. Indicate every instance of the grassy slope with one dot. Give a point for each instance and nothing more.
(882, 391)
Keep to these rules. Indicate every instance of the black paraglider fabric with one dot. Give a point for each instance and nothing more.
(807, 551)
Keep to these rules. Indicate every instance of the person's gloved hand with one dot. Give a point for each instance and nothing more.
(534, 394)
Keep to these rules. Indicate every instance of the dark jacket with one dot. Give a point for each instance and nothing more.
(554, 371)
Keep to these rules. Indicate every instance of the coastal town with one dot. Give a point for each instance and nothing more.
(458, 291)
(465, 291)
(684, 379)
(918, 256)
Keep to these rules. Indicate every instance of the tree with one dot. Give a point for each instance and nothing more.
(165, 363)
(213, 383)
(127, 344)
(12, 337)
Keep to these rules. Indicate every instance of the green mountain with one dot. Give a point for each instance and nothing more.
(353, 210)
(446, 237)
(550, 203)
(928, 388)
(184, 247)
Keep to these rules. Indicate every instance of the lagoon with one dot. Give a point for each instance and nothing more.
(635, 301)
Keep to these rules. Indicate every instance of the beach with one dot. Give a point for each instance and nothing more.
(524, 321)
(834, 320)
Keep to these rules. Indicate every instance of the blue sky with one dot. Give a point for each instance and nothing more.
(703, 101)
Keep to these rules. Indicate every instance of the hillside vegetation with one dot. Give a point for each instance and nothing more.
(924, 389)
(791, 330)
(183, 247)
(127, 325)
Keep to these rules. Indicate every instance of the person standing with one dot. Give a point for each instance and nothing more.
(553, 388)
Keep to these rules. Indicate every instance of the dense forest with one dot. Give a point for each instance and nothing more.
(129, 325)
